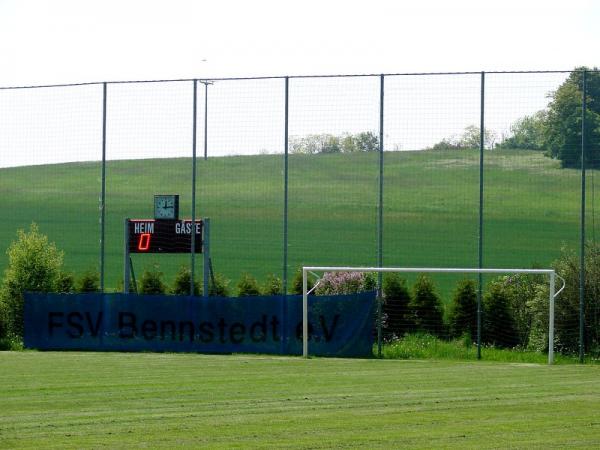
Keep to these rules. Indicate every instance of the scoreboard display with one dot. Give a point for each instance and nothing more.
(164, 236)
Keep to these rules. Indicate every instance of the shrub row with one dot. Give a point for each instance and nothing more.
(514, 308)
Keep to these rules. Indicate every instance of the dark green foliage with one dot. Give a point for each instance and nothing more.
(247, 286)
(4, 330)
(181, 284)
(65, 283)
(219, 286)
(296, 287)
(273, 285)
(564, 119)
(463, 312)
(88, 282)
(426, 307)
(567, 303)
(151, 282)
(396, 298)
(132, 286)
(498, 328)
(34, 265)
(527, 133)
(521, 291)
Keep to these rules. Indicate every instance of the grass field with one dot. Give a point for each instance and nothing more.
(430, 209)
(121, 400)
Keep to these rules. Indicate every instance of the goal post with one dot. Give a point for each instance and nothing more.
(549, 272)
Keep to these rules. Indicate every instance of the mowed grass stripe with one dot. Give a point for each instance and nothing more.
(161, 400)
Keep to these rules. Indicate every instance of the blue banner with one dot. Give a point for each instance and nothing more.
(340, 325)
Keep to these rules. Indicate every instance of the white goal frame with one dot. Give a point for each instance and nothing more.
(550, 272)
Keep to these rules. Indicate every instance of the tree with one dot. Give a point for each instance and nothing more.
(247, 286)
(527, 133)
(151, 282)
(395, 306)
(426, 307)
(181, 284)
(564, 120)
(367, 141)
(311, 144)
(34, 265)
(468, 140)
(463, 314)
(498, 323)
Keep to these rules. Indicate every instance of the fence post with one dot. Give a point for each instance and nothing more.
(285, 186)
(193, 232)
(380, 218)
(480, 243)
(103, 193)
(582, 232)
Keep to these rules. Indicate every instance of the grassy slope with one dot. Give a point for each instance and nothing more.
(59, 400)
(430, 218)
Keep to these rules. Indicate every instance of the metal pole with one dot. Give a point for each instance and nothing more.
(480, 243)
(582, 223)
(551, 320)
(285, 186)
(103, 193)
(206, 120)
(126, 259)
(206, 250)
(193, 229)
(304, 314)
(380, 218)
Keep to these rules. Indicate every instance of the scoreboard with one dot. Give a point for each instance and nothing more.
(164, 235)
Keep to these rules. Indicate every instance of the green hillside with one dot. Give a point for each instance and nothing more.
(430, 209)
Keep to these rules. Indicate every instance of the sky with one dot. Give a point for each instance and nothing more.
(68, 41)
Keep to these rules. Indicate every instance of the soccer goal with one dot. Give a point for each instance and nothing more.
(549, 272)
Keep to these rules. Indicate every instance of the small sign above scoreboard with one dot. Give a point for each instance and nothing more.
(164, 236)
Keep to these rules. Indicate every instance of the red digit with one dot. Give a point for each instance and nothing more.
(144, 242)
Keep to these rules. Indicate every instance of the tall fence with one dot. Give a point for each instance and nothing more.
(445, 170)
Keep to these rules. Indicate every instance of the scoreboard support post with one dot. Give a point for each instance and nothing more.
(206, 251)
(126, 261)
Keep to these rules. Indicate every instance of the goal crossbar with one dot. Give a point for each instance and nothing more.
(550, 272)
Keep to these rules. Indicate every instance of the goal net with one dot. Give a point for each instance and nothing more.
(549, 274)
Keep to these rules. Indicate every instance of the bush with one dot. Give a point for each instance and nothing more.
(426, 307)
(247, 286)
(121, 284)
(34, 265)
(463, 312)
(498, 327)
(296, 287)
(89, 282)
(151, 282)
(396, 298)
(334, 283)
(521, 291)
(219, 286)
(567, 303)
(181, 284)
(273, 285)
(65, 283)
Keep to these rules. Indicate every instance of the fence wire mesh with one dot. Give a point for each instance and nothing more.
(349, 170)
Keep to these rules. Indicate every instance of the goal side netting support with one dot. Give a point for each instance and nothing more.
(549, 272)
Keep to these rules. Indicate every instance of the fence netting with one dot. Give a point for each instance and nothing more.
(330, 170)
